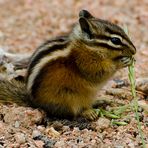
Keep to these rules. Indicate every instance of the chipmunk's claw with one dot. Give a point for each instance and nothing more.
(90, 114)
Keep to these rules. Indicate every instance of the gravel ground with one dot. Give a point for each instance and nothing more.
(25, 24)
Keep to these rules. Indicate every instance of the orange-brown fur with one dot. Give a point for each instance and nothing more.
(83, 76)
(64, 79)
(58, 79)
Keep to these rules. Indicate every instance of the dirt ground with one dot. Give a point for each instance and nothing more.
(24, 25)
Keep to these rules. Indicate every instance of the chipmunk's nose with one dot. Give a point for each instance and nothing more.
(133, 49)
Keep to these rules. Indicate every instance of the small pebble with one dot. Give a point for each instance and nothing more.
(2, 125)
(131, 145)
(93, 142)
(142, 85)
(144, 105)
(20, 138)
(60, 144)
(119, 146)
(17, 124)
(41, 128)
(15, 145)
(65, 128)
(52, 131)
(57, 125)
(39, 143)
(36, 133)
(121, 93)
(102, 123)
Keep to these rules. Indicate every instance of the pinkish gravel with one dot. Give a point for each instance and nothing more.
(27, 23)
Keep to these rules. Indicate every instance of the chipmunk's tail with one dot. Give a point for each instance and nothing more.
(13, 92)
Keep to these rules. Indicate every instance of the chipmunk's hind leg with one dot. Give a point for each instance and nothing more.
(57, 110)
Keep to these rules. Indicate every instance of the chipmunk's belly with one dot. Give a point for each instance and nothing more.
(80, 102)
(63, 103)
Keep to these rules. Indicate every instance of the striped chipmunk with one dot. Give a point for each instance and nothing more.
(65, 73)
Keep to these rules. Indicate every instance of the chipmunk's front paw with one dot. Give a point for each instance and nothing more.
(90, 114)
(125, 61)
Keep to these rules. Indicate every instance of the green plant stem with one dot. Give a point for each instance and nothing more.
(132, 81)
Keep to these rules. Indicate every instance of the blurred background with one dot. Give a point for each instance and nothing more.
(25, 24)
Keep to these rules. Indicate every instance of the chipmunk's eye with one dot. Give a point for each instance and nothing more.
(115, 40)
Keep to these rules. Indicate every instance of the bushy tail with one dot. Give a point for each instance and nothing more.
(13, 92)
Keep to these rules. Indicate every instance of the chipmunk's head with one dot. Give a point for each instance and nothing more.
(102, 36)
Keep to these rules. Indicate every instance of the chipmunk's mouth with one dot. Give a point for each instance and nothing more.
(121, 57)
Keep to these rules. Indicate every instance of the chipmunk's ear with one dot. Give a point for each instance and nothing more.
(85, 27)
(85, 14)
(84, 21)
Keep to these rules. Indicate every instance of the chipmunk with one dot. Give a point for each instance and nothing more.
(65, 73)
